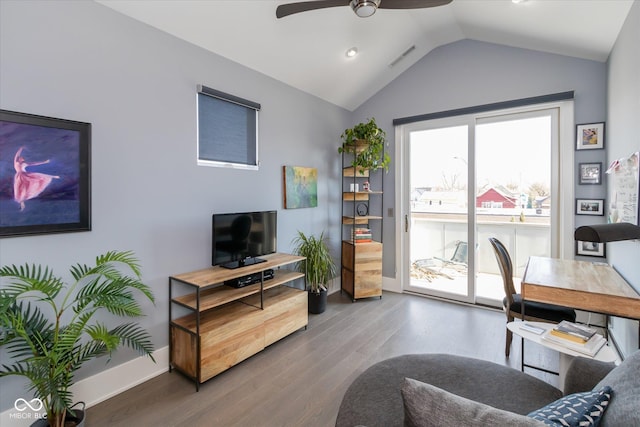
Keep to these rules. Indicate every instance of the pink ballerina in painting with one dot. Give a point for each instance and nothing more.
(28, 185)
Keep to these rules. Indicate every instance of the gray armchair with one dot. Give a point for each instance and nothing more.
(483, 390)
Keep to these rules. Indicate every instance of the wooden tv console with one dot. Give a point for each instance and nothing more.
(225, 325)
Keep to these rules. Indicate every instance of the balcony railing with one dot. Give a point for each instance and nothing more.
(435, 237)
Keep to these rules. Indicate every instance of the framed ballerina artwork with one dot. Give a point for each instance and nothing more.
(44, 175)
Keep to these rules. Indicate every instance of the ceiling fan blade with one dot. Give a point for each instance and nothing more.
(411, 4)
(291, 8)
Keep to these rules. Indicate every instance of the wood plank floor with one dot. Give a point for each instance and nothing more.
(300, 380)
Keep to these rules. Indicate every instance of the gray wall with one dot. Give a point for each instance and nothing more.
(79, 60)
(623, 102)
(136, 85)
(469, 73)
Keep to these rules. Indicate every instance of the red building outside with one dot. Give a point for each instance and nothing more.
(496, 198)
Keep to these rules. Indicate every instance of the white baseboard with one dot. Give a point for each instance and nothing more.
(111, 382)
(391, 284)
(102, 386)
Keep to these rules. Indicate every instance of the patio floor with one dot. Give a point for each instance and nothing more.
(454, 280)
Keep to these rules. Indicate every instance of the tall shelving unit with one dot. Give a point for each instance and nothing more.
(361, 258)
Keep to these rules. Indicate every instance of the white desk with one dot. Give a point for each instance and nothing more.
(605, 354)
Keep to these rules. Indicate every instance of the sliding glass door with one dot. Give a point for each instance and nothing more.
(438, 218)
(514, 197)
(468, 178)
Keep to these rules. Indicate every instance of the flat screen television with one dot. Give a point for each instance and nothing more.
(239, 239)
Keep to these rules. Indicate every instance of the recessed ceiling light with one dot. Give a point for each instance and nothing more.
(518, 1)
(352, 52)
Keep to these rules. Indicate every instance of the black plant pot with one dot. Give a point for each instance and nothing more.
(77, 417)
(317, 302)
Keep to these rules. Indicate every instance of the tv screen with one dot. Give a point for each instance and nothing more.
(238, 239)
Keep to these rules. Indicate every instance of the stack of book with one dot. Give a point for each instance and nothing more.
(361, 235)
(576, 337)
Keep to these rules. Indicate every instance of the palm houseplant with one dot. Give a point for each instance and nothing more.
(49, 328)
(367, 142)
(318, 267)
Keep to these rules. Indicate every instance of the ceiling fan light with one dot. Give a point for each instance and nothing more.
(365, 11)
(364, 8)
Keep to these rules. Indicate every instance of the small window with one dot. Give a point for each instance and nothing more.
(227, 130)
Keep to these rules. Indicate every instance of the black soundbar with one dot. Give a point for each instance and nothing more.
(249, 279)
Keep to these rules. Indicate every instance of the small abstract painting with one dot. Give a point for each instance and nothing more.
(300, 187)
(44, 175)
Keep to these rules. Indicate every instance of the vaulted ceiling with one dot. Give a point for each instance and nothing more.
(307, 50)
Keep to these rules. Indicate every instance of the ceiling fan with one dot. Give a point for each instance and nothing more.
(362, 8)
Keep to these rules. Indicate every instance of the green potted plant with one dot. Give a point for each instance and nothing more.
(367, 142)
(318, 267)
(48, 326)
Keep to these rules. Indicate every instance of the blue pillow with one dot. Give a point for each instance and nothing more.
(578, 409)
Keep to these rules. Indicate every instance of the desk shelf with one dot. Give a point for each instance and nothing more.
(606, 353)
(566, 355)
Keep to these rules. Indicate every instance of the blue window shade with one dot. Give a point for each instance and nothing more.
(227, 130)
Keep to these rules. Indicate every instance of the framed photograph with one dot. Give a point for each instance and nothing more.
(590, 136)
(590, 207)
(300, 187)
(591, 249)
(45, 175)
(590, 173)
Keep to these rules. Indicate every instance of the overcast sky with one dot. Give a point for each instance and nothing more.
(516, 151)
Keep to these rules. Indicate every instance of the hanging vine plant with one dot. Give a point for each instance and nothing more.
(367, 142)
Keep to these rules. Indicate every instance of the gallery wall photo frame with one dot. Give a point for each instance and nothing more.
(45, 175)
(590, 207)
(590, 173)
(594, 249)
(590, 136)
